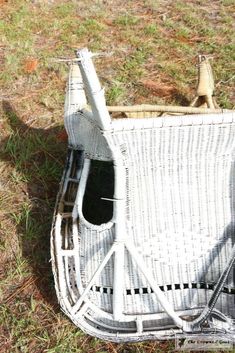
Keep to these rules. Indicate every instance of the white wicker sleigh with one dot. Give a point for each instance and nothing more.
(161, 266)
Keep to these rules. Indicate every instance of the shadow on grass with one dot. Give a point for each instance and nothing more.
(37, 156)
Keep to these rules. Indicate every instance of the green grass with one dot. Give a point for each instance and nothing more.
(149, 41)
(150, 29)
(114, 93)
(126, 20)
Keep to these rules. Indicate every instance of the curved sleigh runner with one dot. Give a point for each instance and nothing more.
(160, 263)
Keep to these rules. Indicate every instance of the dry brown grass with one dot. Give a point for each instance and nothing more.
(154, 46)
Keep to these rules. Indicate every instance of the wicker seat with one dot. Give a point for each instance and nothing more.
(159, 264)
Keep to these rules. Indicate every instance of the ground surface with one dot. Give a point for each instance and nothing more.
(153, 47)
